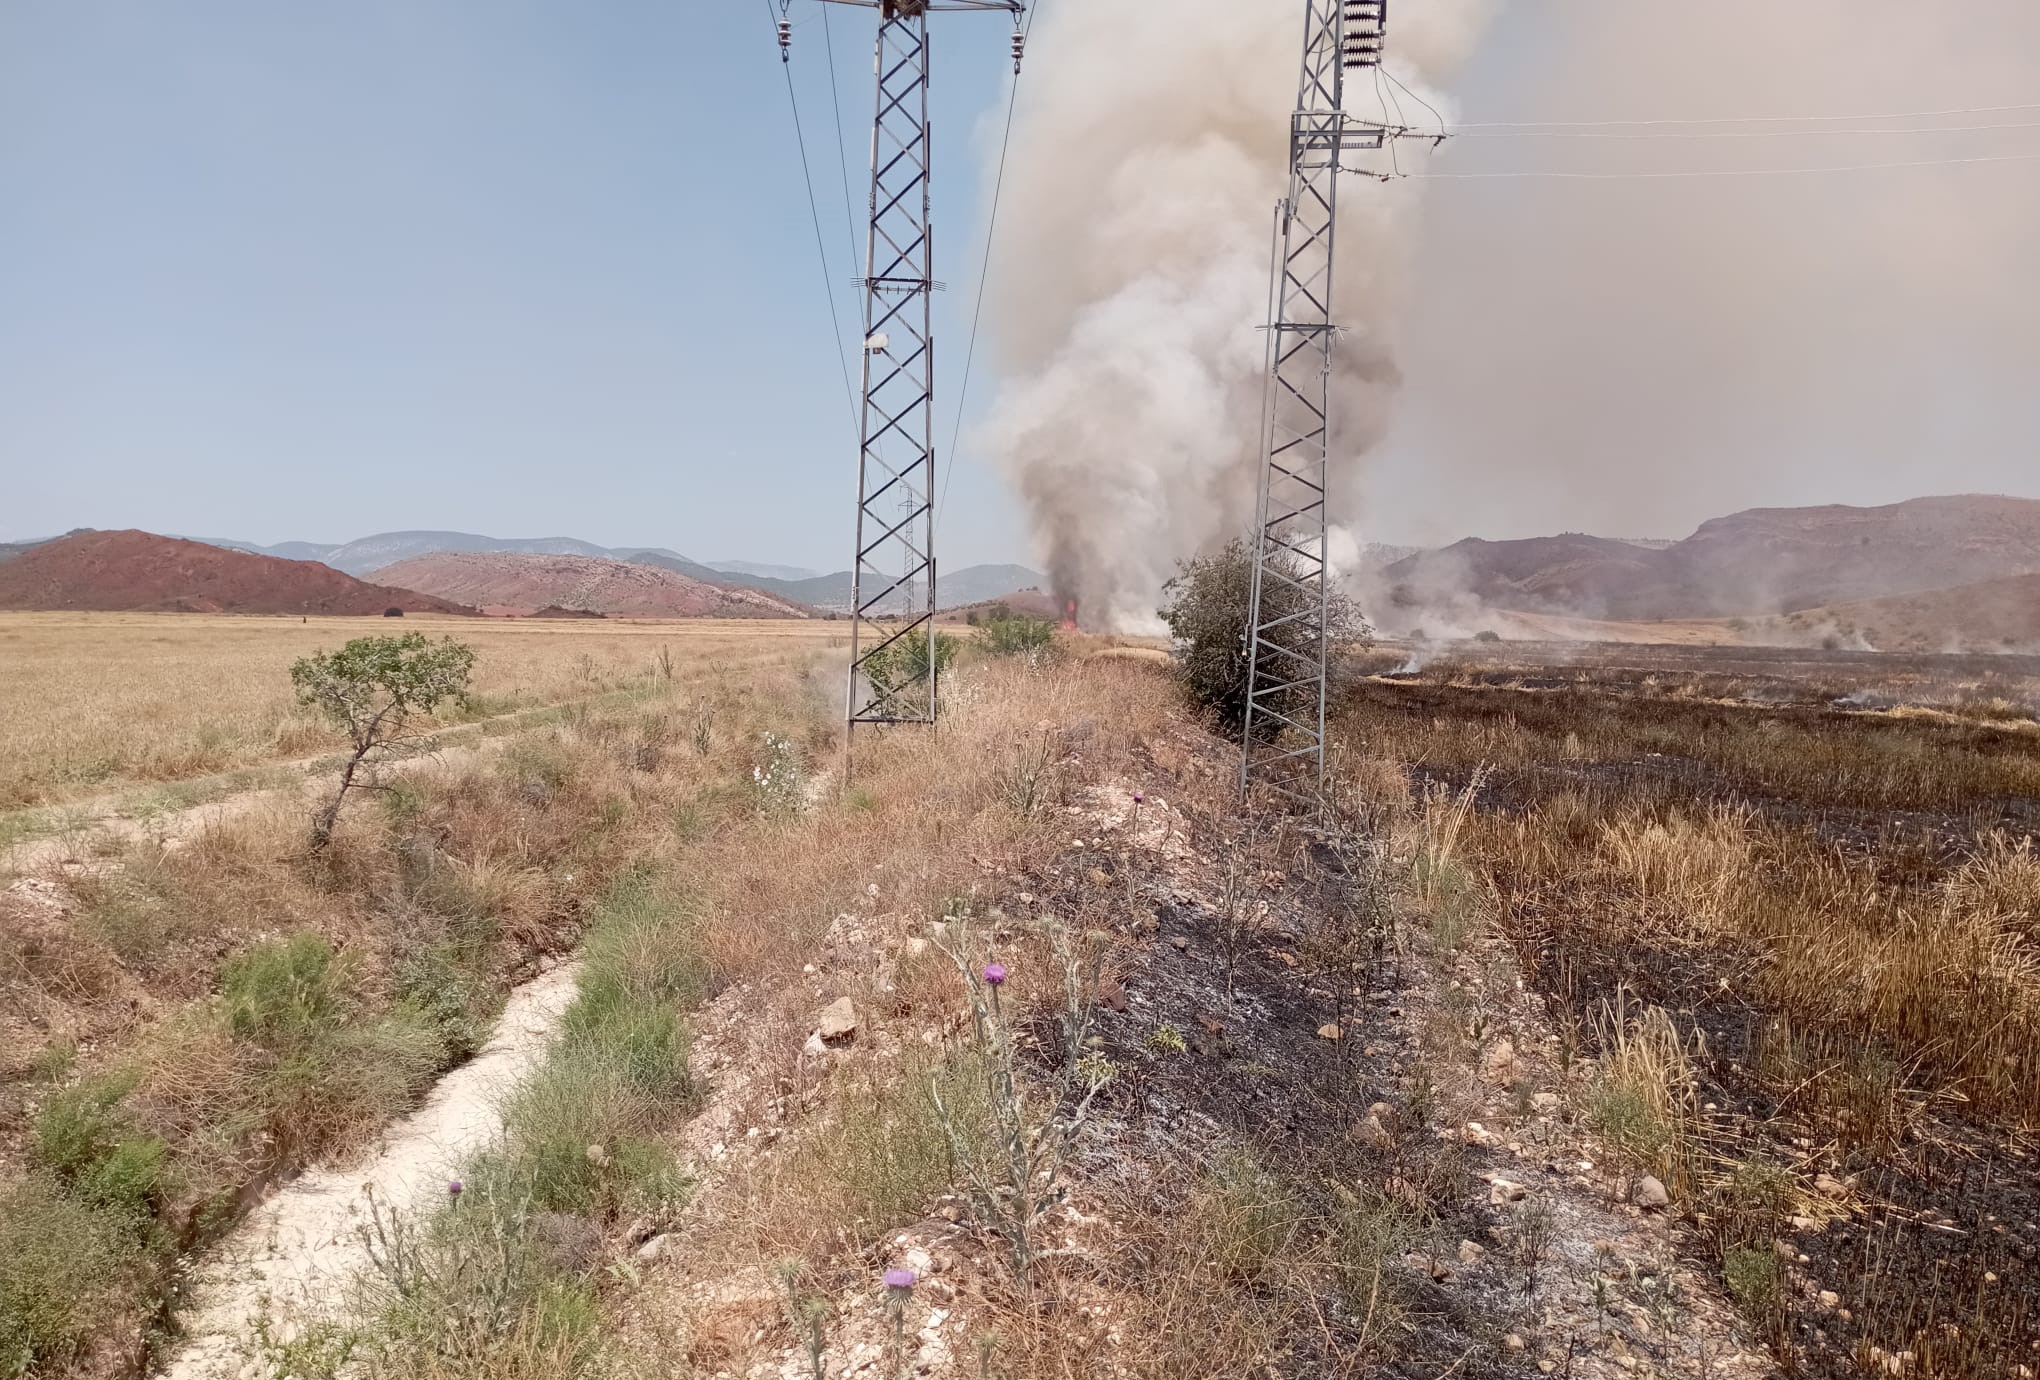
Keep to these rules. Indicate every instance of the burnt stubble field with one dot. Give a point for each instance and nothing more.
(1786, 907)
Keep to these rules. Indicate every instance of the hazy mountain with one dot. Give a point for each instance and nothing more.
(966, 585)
(973, 584)
(368, 554)
(764, 570)
(501, 581)
(1759, 562)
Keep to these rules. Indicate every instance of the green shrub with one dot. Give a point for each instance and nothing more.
(889, 1155)
(326, 1064)
(66, 1269)
(1210, 603)
(1753, 1279)
(1016, 636)
(283, 992)
(86, 1139)
(489, 1289)
(440, 982)
(579, 1133)
(899, 671)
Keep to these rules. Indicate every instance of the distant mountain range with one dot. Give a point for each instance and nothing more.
(130, 571)
(1759, 562)
(522, 582)
(367, 555)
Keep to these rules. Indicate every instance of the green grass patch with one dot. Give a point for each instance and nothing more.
(66, 1269)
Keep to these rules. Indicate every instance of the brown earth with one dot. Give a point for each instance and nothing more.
(133, 571)
(1993, 615)
(580, 583)
(1763, 561)
(1021, 603)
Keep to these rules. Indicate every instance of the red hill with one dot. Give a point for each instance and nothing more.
(139, 571)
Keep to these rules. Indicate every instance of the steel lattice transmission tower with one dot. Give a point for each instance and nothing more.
(1284, 738)
(893, 673)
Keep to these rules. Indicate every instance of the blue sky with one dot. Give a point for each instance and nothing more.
(281, 270)
(304, 271)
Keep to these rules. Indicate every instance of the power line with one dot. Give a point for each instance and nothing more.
(984, 273)
(1751, 119)
(821, 250)
(1730, 172)
(842, 159)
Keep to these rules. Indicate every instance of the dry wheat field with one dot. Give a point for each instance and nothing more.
(96, 703)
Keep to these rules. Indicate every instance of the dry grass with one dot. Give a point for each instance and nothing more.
(96, 703)
(344, 982)
(1824, 922)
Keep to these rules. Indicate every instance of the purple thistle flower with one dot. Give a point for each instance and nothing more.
(454, 1188)
(1139, 798)
(995, 973)
(900, 1278)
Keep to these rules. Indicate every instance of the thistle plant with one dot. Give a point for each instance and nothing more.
(808, 1312)
(1015, 1180)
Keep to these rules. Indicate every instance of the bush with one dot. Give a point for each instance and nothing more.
(282, 993)
(1016, 636)
(899, 671)
(1210, 603)
(323, 1065)
(66, 1269)
(86, 1140)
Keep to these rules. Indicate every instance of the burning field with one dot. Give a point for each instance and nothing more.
(1784, 907)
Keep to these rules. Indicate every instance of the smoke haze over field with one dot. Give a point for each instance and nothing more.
(1147, 156)
(1631, 357)
(1627, 356)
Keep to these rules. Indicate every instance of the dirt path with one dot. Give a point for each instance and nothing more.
(102, 826)
(295, 1254)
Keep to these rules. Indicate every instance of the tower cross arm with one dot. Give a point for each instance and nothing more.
(913, 7)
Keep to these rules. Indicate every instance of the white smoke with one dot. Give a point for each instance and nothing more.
(1149, 148)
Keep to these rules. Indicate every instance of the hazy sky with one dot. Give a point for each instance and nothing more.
(530, 268)
(520, 267)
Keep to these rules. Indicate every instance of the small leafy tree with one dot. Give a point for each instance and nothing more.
(898, 672)
(1209, 604)
(373, 688)
(1016, 636)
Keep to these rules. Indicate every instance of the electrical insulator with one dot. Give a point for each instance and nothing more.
(786, 40)
(1366, 32)
(1019, 50)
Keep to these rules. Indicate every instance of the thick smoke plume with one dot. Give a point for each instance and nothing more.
(1148, 151)
(1633, 355)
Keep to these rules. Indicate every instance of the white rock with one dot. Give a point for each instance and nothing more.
(838, 1019)
(1650, 1195)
